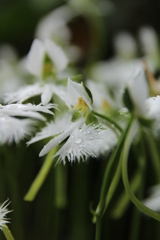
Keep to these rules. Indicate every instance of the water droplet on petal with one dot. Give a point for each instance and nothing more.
(78, 140)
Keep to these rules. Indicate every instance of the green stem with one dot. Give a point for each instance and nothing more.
(155, 156)
(124, 155)
(108, 119)
(136, 216)
(37, 183)
(114, 184)
(108, 175)
(98, 229)
(7, 233)
(60, 186)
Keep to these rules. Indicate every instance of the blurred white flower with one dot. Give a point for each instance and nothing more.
(125, 45)
(102, 99)
(153, 200)
(150, 46)
(54, 25)
(138, 90)
(3, 212)
(36, 57)
(153, 111)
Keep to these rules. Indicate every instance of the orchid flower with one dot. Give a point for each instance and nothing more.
(82, 139)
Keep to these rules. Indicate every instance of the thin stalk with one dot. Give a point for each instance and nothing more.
(98, 229)
(136, 216)
(155, 156)
(114, 184)
(124, 155)
(7, 233)
(108, 119)
(108, 175)
(60, 186)
(37, 183)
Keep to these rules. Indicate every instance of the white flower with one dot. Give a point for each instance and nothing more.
(15, 129)
(153, 201)
(3, 212)
(83, 140)
(35, 62)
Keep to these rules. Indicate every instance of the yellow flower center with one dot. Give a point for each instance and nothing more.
(82, 106)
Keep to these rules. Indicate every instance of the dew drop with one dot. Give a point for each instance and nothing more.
(78, 140)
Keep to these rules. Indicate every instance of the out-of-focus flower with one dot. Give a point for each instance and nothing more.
(46, 59)
(3, 212)
(153, 200)
(138, 92)
(150, 46)
(54, 25)
(125, 46)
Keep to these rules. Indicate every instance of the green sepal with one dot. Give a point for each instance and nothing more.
(127, 100)
(48, 68)
(91, 119)
(75, 116)
(88, 92)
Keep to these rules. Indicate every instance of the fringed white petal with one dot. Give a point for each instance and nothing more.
(3, 212)
(52, 129)
(84, 142)
(27, 110)
(14, 130)
(23, 94)
(57, 140)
